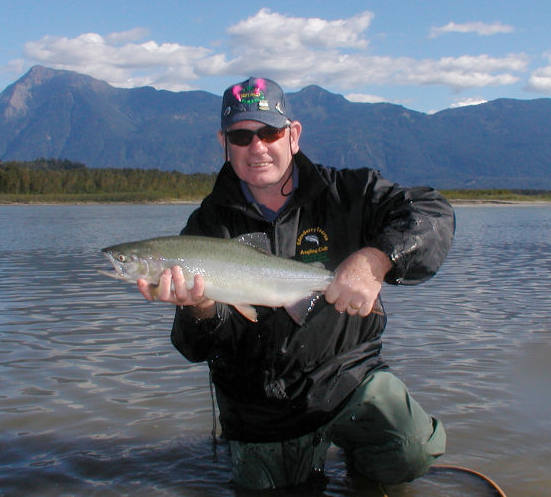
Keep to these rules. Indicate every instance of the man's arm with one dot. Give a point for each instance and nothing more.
(358, 281)
(415, 232)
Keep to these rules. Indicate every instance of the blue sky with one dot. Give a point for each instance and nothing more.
(427, 55)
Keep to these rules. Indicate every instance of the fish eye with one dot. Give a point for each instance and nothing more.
(122, 258)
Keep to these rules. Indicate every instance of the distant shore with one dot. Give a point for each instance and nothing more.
(99, 202)
(454, 201)
(497, 203)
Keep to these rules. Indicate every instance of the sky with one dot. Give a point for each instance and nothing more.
(427, 55)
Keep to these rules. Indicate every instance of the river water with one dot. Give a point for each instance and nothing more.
(94, 400)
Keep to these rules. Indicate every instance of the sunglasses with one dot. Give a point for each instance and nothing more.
(243, 137)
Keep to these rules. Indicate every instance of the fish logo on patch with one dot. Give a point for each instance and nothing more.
(312, 239)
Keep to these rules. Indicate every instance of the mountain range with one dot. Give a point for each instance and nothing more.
(52, 113)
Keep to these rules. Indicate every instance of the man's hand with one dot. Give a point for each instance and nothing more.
(358, 281)
(172, 288)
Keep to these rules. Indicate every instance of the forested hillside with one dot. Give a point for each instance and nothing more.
(63, 177)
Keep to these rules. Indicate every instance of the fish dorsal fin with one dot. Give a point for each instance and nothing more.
(259, 241)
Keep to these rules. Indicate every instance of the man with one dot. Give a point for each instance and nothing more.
(286, 392)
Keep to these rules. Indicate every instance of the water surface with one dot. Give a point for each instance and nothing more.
(94, 400)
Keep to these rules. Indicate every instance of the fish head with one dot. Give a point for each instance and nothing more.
(128, 263)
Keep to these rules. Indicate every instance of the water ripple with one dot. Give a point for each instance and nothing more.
(95, 399)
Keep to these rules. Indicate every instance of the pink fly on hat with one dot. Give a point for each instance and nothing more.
(256, 99)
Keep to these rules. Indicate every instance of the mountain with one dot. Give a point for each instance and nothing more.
(501, 144)
(61, 114)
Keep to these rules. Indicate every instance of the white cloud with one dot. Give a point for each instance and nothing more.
(296, 51)
(15, 67)
(274, 45)
(126, 65)
(465, 71)
(365, 98)
(276, 32)
(479, 28)
(540, 79)
(134, 34)
(468, 101)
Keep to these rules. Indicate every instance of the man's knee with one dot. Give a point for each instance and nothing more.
(400, 462)
(386, 433)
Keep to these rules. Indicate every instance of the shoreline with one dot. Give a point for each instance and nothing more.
(454, 202)
(498, 203)
(91, 202)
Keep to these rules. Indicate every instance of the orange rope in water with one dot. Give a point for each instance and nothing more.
(493, 484)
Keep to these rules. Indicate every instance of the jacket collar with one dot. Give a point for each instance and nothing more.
(228, 193)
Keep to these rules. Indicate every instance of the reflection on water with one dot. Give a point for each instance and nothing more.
(94, 399)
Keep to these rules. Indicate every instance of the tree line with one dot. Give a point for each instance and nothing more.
(65, 180)
(64, 177)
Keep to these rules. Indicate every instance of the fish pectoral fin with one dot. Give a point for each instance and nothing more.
(248, 311)
(300, 309)
(258, 241)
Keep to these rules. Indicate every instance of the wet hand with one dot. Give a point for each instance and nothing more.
(358, 280)
(172, 288)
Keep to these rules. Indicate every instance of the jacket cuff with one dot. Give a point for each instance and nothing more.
(395, 254)
(186, 318)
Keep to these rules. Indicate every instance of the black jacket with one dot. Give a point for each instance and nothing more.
(275, 380)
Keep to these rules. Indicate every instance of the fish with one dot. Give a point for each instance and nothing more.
(241, 271)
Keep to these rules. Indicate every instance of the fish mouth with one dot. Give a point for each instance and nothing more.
(117, 265)
(129, 271)
(117, 270)
(114, 274)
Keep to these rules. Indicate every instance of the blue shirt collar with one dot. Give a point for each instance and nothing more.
(266, 212)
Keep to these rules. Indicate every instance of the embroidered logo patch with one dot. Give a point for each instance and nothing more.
(313, 245)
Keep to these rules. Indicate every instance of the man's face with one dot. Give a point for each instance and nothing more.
(263, 165)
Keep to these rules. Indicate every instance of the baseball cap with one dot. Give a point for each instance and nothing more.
(256, 99)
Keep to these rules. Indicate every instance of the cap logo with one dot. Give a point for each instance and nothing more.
(252, 94)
